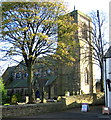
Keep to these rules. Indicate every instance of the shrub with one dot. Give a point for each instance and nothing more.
(14, 99)
(3, 92)
(19, 97)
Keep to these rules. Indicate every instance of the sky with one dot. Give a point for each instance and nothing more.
(86, 6)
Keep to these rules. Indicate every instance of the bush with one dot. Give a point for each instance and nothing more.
(14, 99)
(3, 92)
(19, 97)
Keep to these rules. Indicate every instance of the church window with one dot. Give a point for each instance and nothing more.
(18, 75)
(86, 76)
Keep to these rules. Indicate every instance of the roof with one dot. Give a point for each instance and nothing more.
(108, 53)
(51, 80)
(7, 73)
(18, 84)
(22, 83)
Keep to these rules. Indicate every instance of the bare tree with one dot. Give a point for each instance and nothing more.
(97, 43)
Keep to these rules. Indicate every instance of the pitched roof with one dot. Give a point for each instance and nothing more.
(108, 53)
(22, 83)
(51, 80)
(18, 84)
(7, 74)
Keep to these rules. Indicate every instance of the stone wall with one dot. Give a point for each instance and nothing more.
(30, 109)
(65, 102)
(77, 100)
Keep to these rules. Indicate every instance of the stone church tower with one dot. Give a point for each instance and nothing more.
(78, 79)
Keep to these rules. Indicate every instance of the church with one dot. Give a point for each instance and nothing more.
(57, 81)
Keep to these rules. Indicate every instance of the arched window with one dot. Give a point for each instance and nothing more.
(18, 75)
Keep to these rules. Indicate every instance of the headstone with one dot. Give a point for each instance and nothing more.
(67, 93)
(27, 99)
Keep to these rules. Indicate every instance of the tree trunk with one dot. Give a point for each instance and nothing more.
(91, 71)
(42, 99)
(91, 78)
(49, 95)
(101, 79)
(30, 84)
(102, 73)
